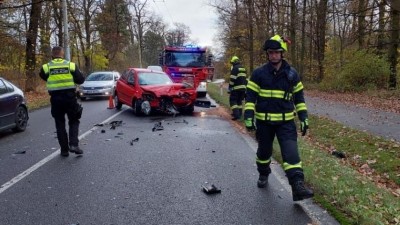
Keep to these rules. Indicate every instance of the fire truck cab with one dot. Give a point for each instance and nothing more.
(188, 64)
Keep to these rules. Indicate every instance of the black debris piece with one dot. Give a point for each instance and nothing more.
(184, 121)
(99, 125)
(210, 189)
(158, 126)
(103, 131)
(20, 152)
(338, 154)
(202, 103)
(134, 140)
(115, 124)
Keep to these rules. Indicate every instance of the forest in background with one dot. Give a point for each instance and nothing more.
(342, 45)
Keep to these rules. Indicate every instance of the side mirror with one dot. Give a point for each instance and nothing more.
(210, 58)
(161, 59)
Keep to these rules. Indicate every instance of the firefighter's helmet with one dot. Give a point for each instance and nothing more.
(276, 43)
(234, 59)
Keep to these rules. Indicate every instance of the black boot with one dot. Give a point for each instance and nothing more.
(300, 191)
(76, 150)
(262, 181)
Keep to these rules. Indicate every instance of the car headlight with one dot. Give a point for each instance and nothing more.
(109, 86)
(148, 96)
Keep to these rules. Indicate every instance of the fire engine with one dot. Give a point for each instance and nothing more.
(188, 64)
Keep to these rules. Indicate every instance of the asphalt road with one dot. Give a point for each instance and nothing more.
(135, 174)
(376, 122)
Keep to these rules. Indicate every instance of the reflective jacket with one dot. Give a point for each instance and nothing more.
(59, 73)
(238, 79)
(275, 96)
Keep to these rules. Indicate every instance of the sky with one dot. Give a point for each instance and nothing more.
(196, 14)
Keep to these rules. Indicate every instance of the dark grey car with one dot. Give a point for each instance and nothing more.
(13, 109)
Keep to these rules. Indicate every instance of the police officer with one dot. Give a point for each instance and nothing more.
(61, 77)
(274, 95)
(237, 87)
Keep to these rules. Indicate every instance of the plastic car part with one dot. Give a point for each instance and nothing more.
(211, 189)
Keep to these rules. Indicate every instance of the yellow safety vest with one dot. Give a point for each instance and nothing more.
(60, 74)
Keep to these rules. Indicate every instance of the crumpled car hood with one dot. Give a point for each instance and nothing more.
(168, 90)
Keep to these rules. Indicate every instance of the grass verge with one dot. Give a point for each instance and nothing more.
(37, 100)
(363, 187)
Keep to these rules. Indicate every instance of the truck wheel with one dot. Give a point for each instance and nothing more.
(201, 94)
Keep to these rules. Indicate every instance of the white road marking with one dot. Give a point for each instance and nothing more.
(24, 174)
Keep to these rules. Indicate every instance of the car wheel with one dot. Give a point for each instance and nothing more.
(137, 107)
(21, 119)
(118, 104)
(83, 98)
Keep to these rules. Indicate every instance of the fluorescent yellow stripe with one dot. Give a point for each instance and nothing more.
(287, 166)
(262, 161)
(274, 116)
(301, 107)
(298, 87)
(253, 86)
(249, 106)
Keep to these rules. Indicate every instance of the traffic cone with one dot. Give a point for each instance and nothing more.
(110, 102)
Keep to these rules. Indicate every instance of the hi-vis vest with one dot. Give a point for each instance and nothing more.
(60, 74)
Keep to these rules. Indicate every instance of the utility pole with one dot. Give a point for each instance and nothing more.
(66, 34)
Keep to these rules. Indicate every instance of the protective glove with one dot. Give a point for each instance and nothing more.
(304, 126)
(229, 90)
(249, 124)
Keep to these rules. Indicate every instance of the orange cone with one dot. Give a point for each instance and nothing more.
(110, 102)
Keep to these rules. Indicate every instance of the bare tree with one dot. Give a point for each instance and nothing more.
(31, 42)
(394, 42)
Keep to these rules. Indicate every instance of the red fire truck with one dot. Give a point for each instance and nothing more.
(188, 64)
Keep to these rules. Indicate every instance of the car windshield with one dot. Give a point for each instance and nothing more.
(185, 59)
(147, 78)
(99, 77)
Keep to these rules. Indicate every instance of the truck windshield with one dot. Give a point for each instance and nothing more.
(185, 59)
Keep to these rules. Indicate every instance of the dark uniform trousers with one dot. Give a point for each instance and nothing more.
(287, 138)
(236, 101)
(65, 102)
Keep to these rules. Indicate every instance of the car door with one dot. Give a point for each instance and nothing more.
(125, 87)
(8, 104)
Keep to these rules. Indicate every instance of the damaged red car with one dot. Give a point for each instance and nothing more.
(148, 90)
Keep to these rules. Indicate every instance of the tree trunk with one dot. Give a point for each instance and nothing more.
(394, 42)
(251, 34)
(361, 23)
(303, 39)
(320, 30)
(31, 38)
(381, 26)
(293, 23)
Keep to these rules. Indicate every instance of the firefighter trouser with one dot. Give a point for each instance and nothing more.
(236, 101)
(287, 137)
(65, 102)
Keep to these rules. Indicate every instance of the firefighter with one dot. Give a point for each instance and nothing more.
(237, 87)
(61, 76)
(274, 95)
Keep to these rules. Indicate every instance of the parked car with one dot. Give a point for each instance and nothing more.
(147, 90)
(98, 84)
(13, 109)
